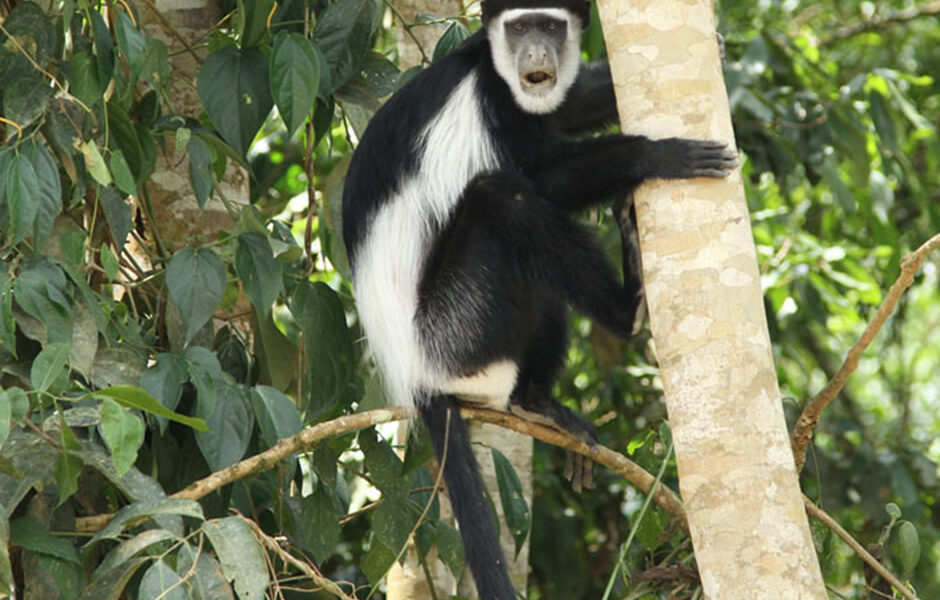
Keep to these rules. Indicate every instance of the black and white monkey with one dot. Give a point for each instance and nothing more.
(457, 218)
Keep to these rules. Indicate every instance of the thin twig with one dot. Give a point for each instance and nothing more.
(882, 22)
(809, 418)
(320, 580)
(821, 516)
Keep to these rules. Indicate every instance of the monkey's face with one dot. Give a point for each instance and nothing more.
(536, 51)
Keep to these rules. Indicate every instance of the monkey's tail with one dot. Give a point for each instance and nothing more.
(467, 497)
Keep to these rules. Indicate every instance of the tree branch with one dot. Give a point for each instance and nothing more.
(879, 23)
(809, 418)
(821, 515)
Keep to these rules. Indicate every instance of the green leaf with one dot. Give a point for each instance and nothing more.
(240, 556)
(47, 194)
(6, 570)
(344, 34)
(29, 534)
(164, 381)
(123, 432)
(200, 169)
(230, 424)
(134, 397)
(384, 466)
(26, 98)
(6, 416)
(110, 585)
(908, 546)
(455, 35)
(276, 414)
(160, 581)
(133, 546)
(85, 83)
(132, 514)
(43, 293)
(20, 196)
(260, 273)
(109, 262)
(122, 173)
(295, 78)
(7, 320)
(196, 281)
(233, 86)
(49, 372)
(118, 215)
(155, 69)
(515, 509)
(392, 523)
(68, 466)
(206, 579)
(321, 524)
(330, 359)
(132, 43)
(377, 561)
(95, 164)
(124, 135)
(450, 547)
(252, 21)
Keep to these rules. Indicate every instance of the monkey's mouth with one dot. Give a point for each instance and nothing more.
(539, 79)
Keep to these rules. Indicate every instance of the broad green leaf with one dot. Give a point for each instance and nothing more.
(6, 570)
(109, 262)
(276, 414)
(122, 173)
(230, 424)
(908, 546)
(49, 372)
(344, 34)
(123, 432)
(240, 556)
(29, 534)
(132, 514)
(42, 291)
(68, 466)
(321, 524)
(275, 354)
(131, 42)
(384, 466)
(26, 98)
(160, 581)
(95, 164)
(392, 523)
(164, 381)
(125, 139)
(252, 21)
(155, 69)
(118, 215)
(133, 546)
(330, 359)
(20, 196)
(6, 416)
(233, 86)
(104, 47)
(450, 547)
(85, 82)
(7, 320)
(205, 373)
(196, 281)
(48, 194)
(377, 561)
(295, 78)
(134, 397)
(515, 509)
(200, 169)
(110, 584)
(260, 273)
(206, 580)
(455, 35)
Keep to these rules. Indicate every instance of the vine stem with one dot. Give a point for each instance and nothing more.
(809, 417)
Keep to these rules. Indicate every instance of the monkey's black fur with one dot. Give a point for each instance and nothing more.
(490, 281)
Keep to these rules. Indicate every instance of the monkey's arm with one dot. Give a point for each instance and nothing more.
(590, 104)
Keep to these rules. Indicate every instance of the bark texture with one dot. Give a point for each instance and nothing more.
(736, 470)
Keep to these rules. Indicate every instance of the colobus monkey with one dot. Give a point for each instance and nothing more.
(457, 221)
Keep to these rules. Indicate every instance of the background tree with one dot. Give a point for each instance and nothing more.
(104, 389)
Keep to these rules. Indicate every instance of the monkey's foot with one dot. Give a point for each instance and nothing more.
(579, 469)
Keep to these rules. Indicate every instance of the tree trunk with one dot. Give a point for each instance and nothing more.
(407, 581)
(736, 472)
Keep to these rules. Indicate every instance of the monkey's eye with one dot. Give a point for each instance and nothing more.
(551, 26)
(518, 27)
